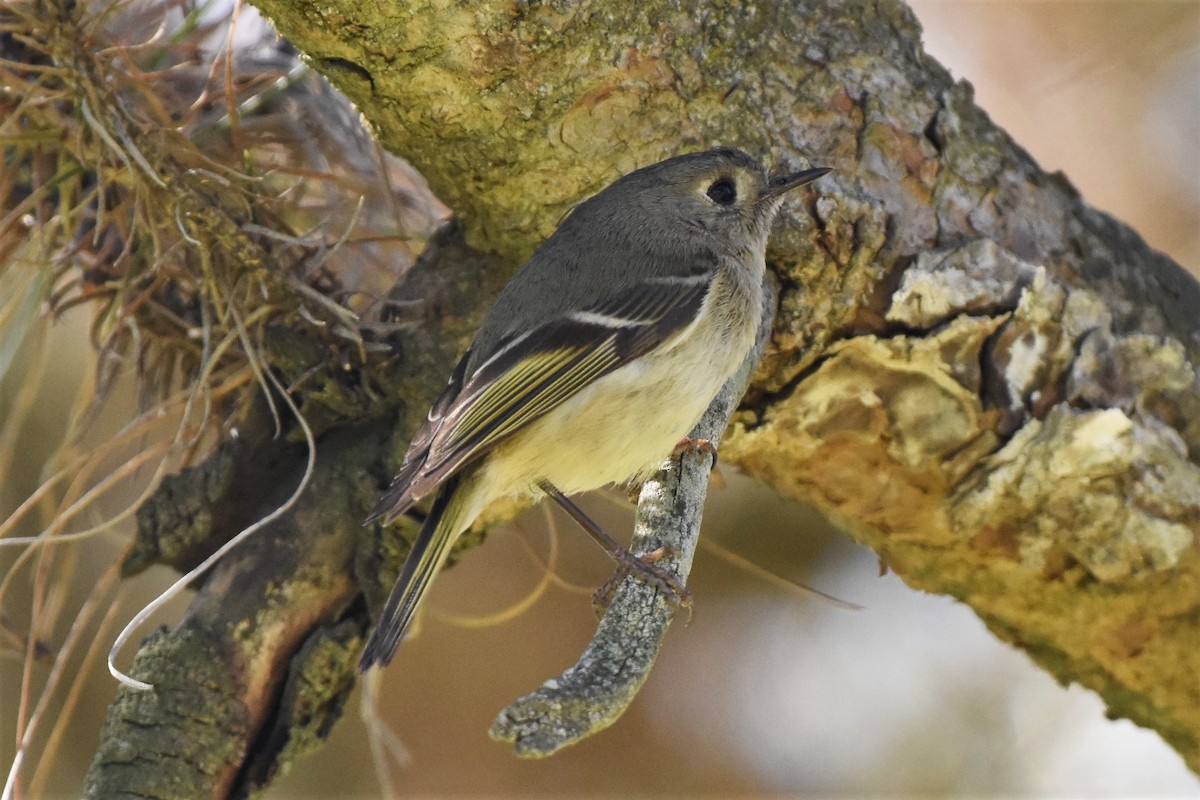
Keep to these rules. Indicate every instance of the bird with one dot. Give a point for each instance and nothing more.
(596, 360)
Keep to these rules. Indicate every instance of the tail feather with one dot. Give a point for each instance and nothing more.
(427, 555)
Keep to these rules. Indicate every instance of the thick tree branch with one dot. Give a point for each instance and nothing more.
(258, 671)
(982, 378)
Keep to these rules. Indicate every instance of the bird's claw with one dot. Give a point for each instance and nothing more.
(645, 569)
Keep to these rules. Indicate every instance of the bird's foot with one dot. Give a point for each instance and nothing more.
(645, 569)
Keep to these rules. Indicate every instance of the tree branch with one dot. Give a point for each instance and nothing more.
(985, 380)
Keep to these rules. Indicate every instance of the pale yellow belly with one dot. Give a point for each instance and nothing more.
(625, 424)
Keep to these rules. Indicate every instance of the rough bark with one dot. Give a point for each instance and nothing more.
(985, 380)
(258, 671)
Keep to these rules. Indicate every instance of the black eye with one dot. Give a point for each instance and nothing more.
(722, 192)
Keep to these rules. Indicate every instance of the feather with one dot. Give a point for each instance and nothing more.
(531, 373)
(426, 556)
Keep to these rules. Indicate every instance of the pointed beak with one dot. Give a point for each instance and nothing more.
(778, 184)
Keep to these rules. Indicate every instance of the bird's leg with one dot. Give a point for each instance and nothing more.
(641, 567)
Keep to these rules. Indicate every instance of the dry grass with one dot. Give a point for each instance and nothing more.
(188, 197)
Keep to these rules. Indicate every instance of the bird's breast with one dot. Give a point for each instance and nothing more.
(623, 425)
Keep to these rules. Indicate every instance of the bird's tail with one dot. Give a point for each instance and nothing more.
(425, 558)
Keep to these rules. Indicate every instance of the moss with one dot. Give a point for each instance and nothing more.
(172, 742)
(320, 677)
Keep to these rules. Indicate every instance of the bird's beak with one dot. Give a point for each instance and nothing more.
(778, 184)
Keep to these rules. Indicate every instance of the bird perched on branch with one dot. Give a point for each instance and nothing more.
(596, 360)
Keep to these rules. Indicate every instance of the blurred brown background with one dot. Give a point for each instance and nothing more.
(769, 692)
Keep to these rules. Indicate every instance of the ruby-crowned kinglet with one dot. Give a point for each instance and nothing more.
(599, 356)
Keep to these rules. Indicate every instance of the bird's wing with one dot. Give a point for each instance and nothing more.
(398, 499)
(531, 372)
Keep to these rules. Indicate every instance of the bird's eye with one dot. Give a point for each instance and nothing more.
(722, 192)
